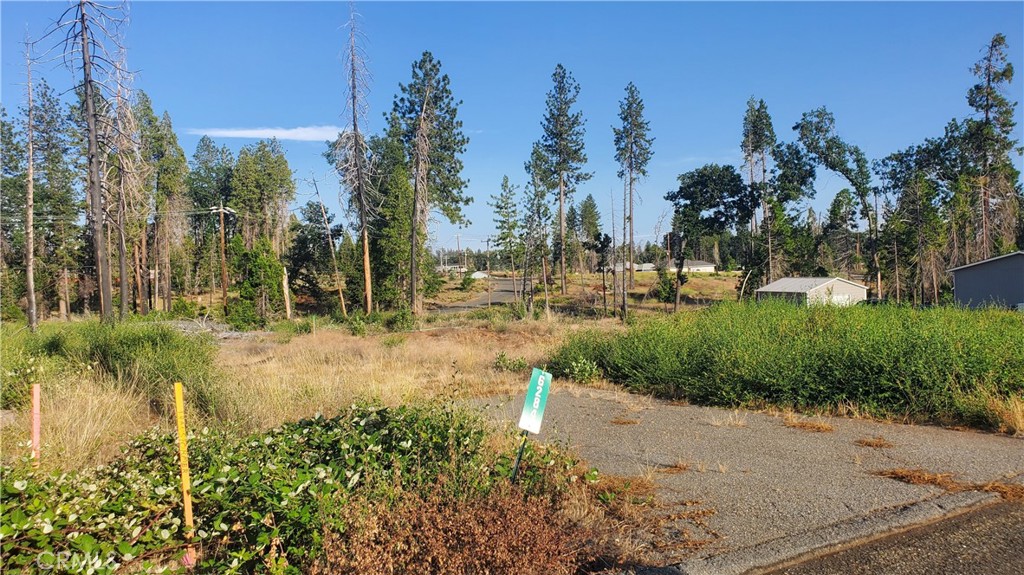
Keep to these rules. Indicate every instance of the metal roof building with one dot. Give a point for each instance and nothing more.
(995, 281)
(807, 291)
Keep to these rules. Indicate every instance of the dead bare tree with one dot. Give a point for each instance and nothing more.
(131, 175)
(30, 250)
(330, 247)
(351, 152)
(91, 33)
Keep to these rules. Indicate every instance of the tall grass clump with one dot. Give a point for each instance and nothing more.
(946, 365)
(145, 358)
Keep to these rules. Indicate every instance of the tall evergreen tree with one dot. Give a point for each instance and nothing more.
(991, 142)
(506, 222)
(758, 143)
(632, 151)
(432, 135)
(209, 187)
(59, 197)
(536, 222)
(562, 143)
(590, 224)
(392, 224)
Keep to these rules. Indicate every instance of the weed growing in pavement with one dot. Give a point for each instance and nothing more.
(877, 442)
(815, 425)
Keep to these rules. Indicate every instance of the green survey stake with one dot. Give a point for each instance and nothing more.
(536, 399)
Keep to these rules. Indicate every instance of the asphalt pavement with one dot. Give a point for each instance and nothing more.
(500, 294)
(987, 540)
(777, 492)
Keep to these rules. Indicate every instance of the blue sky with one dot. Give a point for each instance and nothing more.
(891, 73)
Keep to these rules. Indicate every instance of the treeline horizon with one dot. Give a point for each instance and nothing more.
(102, 209)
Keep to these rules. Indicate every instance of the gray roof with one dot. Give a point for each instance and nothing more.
(696, 263)
(801, 285)
(986, 261)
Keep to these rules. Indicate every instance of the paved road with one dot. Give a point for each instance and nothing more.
(501, 293)
(777, 492)
(985, 541)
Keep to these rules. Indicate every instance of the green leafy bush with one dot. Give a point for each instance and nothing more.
(401, 320)
(941, 364)
(242, 316)
(583, 370)
(259, 501)
(505, 363)
(184, 309)
(467, 283)
(357, 325)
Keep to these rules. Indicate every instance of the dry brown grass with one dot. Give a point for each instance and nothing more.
(945, 481)
(266, 382)
(84, 422)
(877, 442)
(629, 526)
(813, 425)
(1009, 413)
(674, 469)
(734, 419)
(620, 420)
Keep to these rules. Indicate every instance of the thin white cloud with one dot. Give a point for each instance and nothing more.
(301, 133)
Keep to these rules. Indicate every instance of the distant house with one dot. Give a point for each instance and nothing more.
(995, 281)
(695, 266)
(646, 267)
(809, 291)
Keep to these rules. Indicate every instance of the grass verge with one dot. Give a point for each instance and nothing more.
(944, 365)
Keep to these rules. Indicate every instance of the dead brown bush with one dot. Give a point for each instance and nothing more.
(501, 533)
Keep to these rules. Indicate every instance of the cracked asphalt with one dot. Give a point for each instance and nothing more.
(778, 492)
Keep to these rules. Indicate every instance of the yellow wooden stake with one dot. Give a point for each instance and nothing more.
(186, 483)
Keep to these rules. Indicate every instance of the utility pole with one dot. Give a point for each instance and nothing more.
(458, 248)
(220, 209)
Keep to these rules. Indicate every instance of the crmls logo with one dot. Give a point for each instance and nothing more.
(536, 396)
(65, 561)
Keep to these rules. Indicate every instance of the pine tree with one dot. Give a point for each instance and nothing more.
(506, 221)
(632, 152)
(562, 144)
(990, 137)
(432, 136)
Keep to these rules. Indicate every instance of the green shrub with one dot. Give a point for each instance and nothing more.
(583, 370)
(401, 320)
(665, 288)
(184, 309)
(938, 364)
(357, 325)
(242, 316)
(505, 363)
(467, 283)
(262, 499)
(146, 356)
